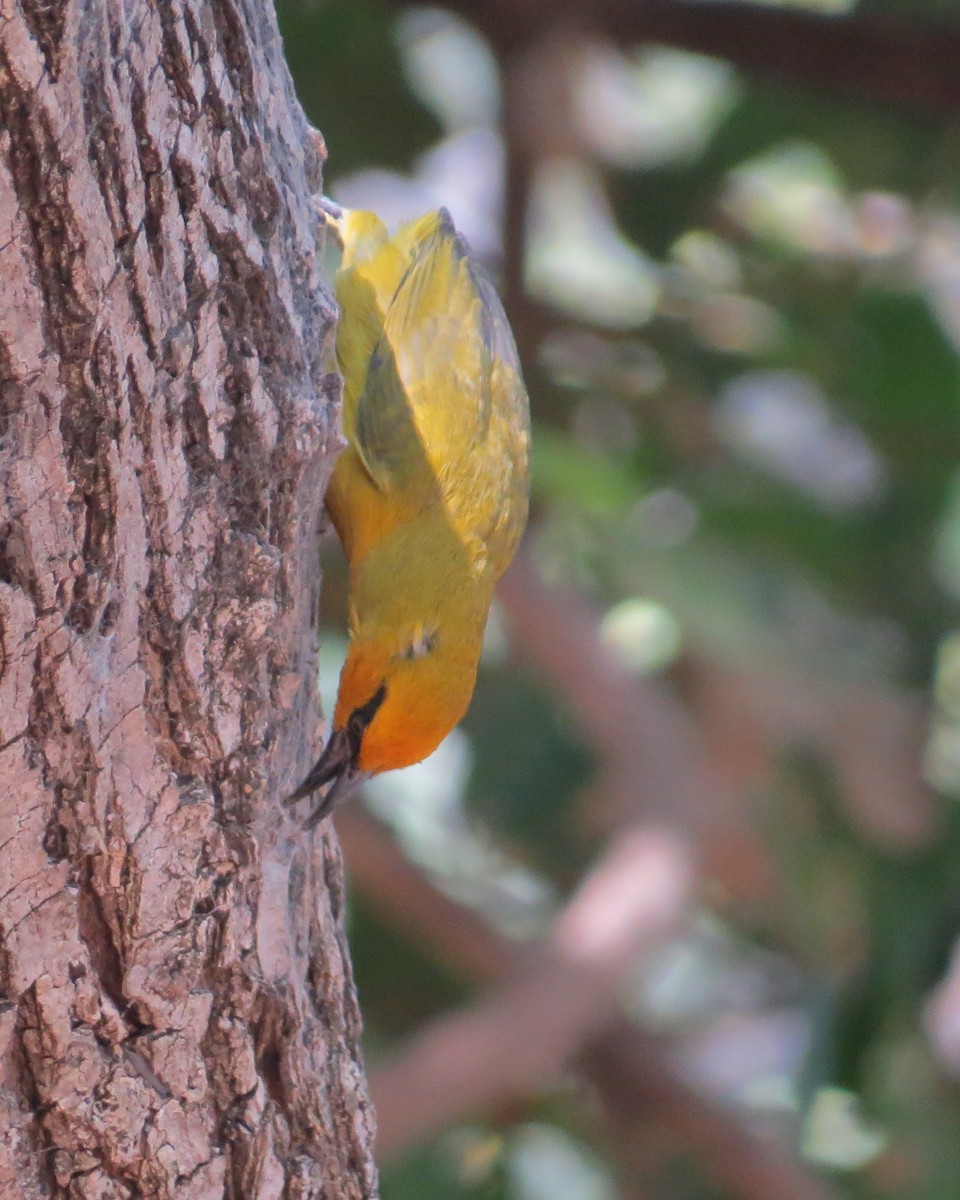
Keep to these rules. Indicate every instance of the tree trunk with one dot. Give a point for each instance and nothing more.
(178, 1016)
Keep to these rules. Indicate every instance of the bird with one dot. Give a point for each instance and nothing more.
(430, 494)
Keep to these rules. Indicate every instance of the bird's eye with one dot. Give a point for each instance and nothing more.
(421, 645)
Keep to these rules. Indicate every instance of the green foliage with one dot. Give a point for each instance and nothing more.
(529, 772)
(400, 984)
(875, 927)
(344, 58)
(589, 480)
(433, 1171)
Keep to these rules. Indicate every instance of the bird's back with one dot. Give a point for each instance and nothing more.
(435, 409)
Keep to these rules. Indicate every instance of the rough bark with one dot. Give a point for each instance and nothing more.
(177, 1015)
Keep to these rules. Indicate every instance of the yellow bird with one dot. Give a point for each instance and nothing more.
(430, 495)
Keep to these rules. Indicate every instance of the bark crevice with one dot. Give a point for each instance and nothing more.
(180, 1017)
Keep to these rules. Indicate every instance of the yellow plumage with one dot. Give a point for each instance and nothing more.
(430, 495)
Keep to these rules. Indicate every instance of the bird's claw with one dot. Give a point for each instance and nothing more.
(330, 208)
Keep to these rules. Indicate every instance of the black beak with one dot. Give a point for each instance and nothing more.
(336, 766)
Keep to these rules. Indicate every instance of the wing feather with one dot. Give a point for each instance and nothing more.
(372, 267)
(443, 416)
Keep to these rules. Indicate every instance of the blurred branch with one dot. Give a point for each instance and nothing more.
(652, 758)
(637, 1091)
(517, 1040)
(455, 934)
(556, 1003)
(876, 58)
(530, 326)
(633, 1083)
(538, 122)
(649, 757)
(698, 768)
(871, 732)
(941, 1017)
(872, 57)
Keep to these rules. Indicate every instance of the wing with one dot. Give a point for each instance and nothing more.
(371, 269)
(443, 418)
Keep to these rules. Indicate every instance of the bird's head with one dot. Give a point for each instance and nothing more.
(418, 608)
(400, 695)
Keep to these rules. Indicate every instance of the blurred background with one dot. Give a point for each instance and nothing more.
(674, 913)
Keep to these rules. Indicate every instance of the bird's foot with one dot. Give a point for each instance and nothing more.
(330, 208)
